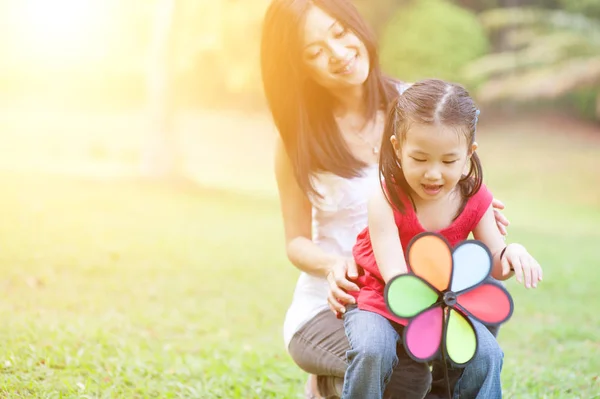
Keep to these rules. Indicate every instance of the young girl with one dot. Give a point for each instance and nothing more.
(428, 144)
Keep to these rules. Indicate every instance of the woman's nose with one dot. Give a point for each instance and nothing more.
(339, 53)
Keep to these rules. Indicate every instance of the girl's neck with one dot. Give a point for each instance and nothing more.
(450, 199)
(435, 215)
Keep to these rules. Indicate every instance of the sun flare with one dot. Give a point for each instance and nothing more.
(59, 29)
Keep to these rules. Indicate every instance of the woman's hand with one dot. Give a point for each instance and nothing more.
(340, 273)
(501, 220)
(526, 268)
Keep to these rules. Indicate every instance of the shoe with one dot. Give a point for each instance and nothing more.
(311, 390)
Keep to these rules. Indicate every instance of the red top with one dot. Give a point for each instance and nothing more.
(370, 297)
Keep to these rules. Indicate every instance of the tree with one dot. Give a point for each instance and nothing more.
(160, 157)
(550, 53)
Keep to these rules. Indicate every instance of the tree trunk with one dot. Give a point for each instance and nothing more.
(160, 158)
(598, 106)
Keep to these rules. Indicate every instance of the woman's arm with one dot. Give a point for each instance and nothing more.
(385, 239)
(301, 250)
(297, 220)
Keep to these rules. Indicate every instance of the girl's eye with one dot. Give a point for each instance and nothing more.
(418, 160)
(450, 162)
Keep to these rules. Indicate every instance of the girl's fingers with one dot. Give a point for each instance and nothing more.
(516, 264)
(505, 266)
(535, 268)
(527, 270)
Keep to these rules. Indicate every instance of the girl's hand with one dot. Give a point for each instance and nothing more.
(501, 220)
(525, 266)
(340, 273)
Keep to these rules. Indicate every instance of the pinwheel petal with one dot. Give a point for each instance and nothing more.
(407, 295)
(472, 265)
(489, 303)
(423, 335)
(430, 258)
(461, 341)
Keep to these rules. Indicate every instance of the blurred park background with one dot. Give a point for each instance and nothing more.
(141, 248)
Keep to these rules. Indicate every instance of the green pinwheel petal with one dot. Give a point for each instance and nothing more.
(461, 341)
(407, 295)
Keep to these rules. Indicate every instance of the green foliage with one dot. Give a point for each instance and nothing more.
(377, 13)
(431, 38)
(549, 55)
(583, 102)
(590, 8)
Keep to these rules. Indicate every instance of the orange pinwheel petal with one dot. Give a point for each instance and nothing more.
(430, 258)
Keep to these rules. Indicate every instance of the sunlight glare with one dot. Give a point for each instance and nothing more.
(58, 29)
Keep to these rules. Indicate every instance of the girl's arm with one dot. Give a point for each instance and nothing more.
(385, 239)
(487, 232)
(507, 260)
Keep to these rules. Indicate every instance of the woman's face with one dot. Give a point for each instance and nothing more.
(334, 56)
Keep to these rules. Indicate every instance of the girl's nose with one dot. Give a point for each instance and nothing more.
(433, 174)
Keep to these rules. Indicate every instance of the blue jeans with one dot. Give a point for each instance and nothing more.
(375, 350)
(481, 377)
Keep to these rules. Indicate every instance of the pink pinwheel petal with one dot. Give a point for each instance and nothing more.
(423, 334)
(489, 303)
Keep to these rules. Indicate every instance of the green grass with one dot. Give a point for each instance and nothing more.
(125, 289)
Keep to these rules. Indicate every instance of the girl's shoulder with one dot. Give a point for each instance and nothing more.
(478, 205)
(482, 196)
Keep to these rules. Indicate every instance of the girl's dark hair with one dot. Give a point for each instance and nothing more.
(428, 102)
(303, 110)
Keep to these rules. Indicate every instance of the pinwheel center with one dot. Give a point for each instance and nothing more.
(449, 298)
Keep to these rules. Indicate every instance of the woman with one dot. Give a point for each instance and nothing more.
(327, 95)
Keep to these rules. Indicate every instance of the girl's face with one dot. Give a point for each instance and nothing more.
(433, 159)
(333, 56)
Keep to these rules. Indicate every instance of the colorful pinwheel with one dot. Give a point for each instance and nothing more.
(442, 290)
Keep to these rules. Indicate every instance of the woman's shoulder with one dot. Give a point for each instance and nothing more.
(396, 85)
(400, 85)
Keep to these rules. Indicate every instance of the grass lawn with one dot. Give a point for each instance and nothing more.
(125, 289)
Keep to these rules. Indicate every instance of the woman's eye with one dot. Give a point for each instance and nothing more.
(341, 33)
(450, 162)
(418, 160)
(314, 55)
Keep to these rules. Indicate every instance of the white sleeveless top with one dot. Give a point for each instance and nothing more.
(338, 217)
